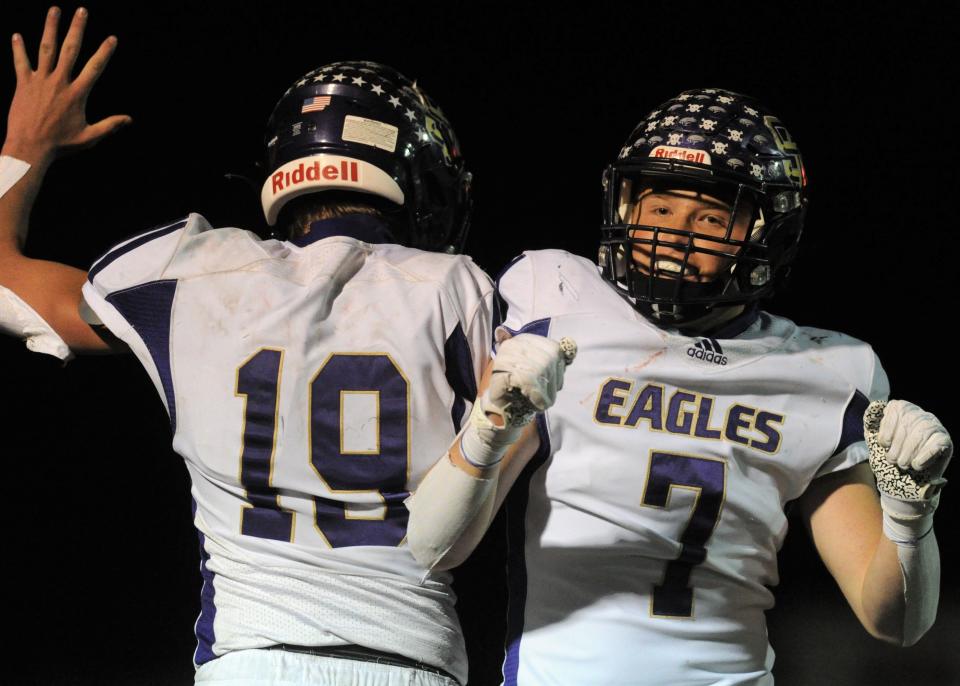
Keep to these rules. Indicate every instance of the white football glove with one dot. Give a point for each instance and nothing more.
(909, 450)
(526, 375)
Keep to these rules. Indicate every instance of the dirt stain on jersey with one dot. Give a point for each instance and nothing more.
(633, 368)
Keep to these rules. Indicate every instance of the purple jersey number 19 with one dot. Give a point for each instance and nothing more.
(382, 472)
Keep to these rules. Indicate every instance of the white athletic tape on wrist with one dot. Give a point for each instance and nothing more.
(907, 521)
(11, 171)
(21, 321)
(483, 443)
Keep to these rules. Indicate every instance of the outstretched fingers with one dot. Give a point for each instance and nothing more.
(21, 61)
(48, 42)
(72, 43)
(94, 67)
(101, 129)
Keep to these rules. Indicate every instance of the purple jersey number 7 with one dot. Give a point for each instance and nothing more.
(673, 597)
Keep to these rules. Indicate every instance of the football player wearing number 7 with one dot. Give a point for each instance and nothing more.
(311, 380)
(646, 507)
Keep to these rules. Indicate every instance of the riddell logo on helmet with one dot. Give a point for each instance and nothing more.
(669, 152)
(347, 171)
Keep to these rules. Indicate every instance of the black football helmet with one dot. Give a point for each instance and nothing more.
(725, 145)
(364, 127)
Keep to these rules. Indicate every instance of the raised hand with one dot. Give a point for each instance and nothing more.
(909, 449)
(526, 375)
(524, 379)
(47, 116)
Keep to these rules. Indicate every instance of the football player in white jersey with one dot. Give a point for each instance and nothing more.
(646, 506)
(310, 381)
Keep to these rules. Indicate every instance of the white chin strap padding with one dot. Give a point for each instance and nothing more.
(324, 172)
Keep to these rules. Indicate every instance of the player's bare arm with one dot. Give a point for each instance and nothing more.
(47, 118)
(881, 550)
(455, 503)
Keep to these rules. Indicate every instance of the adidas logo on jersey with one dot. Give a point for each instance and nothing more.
(708, 350)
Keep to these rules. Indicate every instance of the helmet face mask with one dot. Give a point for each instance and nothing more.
(362, 127)
(722, 150)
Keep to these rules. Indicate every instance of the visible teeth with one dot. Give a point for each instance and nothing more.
(669, 266)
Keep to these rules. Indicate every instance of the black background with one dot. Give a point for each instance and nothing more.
(100, 555)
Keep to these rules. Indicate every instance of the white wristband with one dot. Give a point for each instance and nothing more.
(11, 171)
(907, 521)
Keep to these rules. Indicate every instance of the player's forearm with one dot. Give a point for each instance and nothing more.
(17, 202)
(42, 295)
(909, 451)
(901, 590)
(450, 511)
(454, 505)
(880, 605)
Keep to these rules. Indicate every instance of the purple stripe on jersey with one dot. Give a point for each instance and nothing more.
(500, 306)
(208, 609)
(539, 327)
(458, 368)
(852, 431)
(119, 251)
(516, 506)
(147, 309)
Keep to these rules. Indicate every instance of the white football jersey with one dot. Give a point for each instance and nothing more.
(310, 388)
(651, 518)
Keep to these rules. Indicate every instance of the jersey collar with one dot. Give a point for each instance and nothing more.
(737, 325)
(363, 227)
